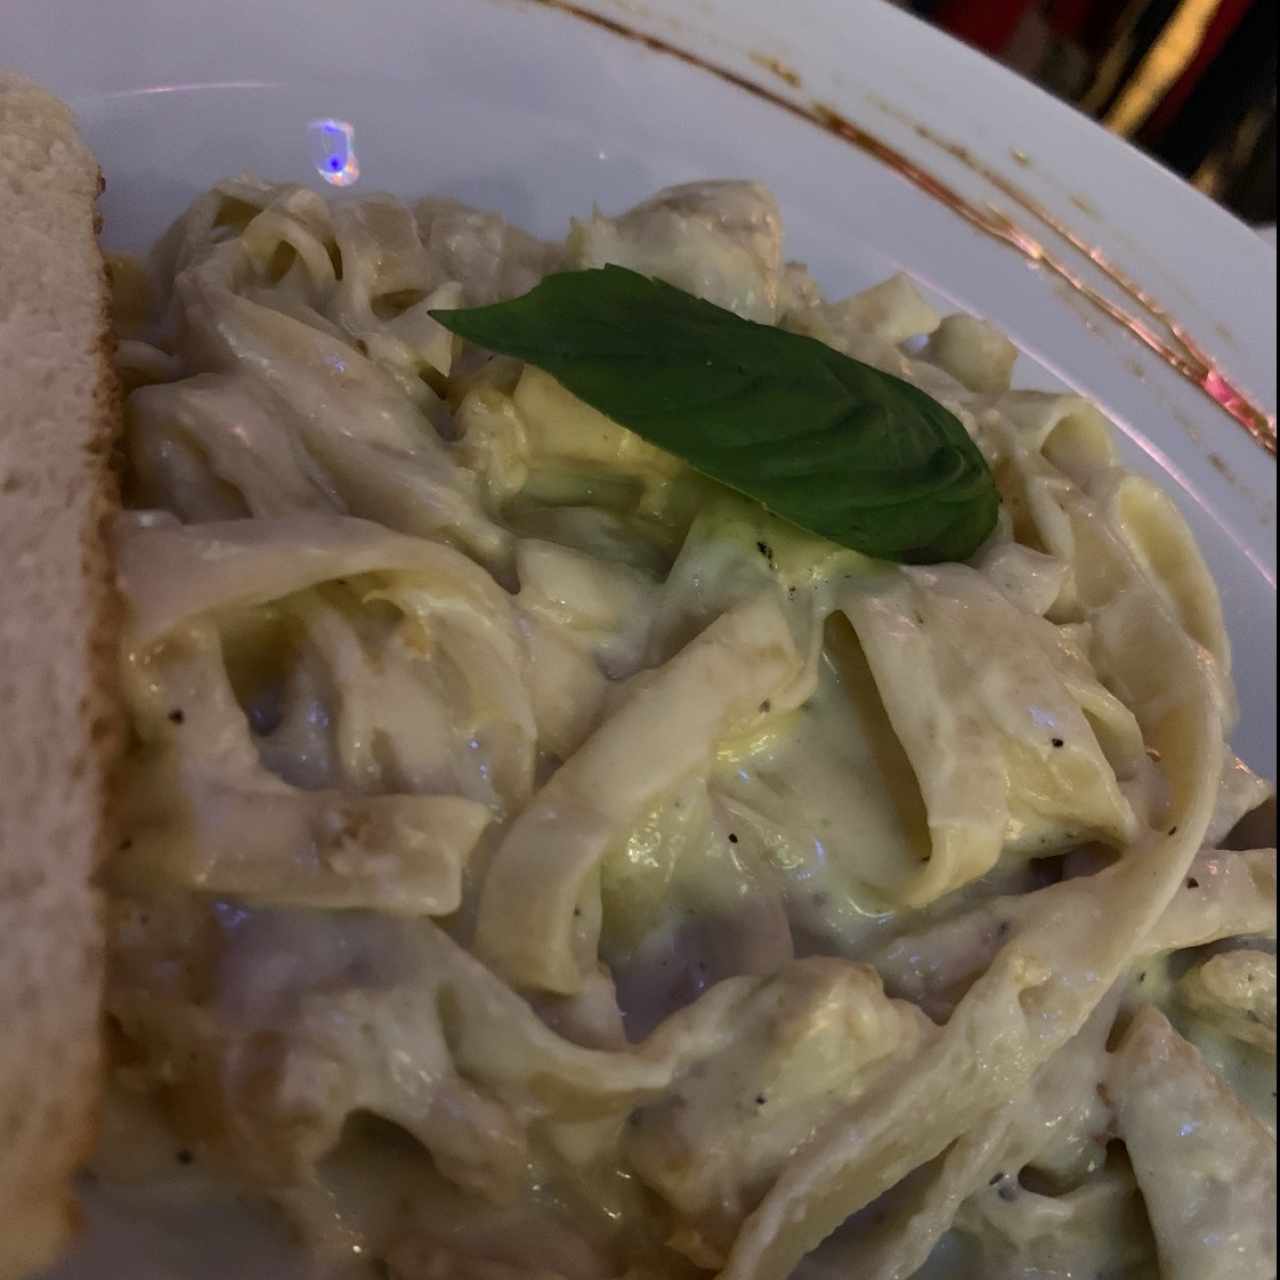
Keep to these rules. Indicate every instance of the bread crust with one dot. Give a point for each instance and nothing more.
(60, 725)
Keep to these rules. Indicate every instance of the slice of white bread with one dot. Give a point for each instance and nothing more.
(59, 408)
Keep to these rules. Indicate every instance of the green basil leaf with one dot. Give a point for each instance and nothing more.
(831, 444)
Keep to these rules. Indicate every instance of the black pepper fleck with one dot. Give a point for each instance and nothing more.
(1173, 831)
(577, 911)
(1193, 883)
(999, 1177)
(1057, 742)
(733, 839)
(766, 706)
(177, 716)
(1142, 977)
(765, 550)
(760, 1099)
(185, 1156)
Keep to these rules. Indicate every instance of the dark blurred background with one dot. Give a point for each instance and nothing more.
(1191, 82)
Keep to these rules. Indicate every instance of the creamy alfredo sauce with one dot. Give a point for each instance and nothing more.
(540, 863)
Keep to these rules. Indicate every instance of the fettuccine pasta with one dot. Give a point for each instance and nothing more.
(540, 861)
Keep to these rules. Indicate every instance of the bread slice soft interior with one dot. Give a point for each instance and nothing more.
(59, 409)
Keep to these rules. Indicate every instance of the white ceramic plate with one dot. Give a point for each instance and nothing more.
(538, 112)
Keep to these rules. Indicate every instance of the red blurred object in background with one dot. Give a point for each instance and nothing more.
(1071, 18)
(988, 26)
